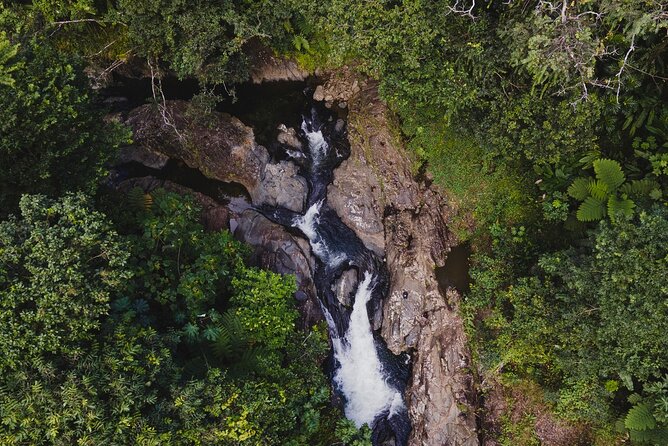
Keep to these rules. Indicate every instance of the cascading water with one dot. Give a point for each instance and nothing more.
(366, 374)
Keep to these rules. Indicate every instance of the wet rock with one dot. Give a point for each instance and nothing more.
(319, 93)
(376, 195)
(288, 136)
(345, 287)
(282, 186)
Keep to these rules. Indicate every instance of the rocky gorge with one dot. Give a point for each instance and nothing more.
(376, 193)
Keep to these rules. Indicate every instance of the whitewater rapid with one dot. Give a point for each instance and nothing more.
(368, 377)
(361, 377)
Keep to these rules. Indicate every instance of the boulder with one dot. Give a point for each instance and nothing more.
(220, 146)
(319, 93)
(346, 286)
(288, 136)
(282, 186)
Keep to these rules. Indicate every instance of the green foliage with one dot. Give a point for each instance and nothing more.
(7, 53)
(52, 137)
(489, 192)
(351, 436)
(574, 325)
(609, 193)
(60, 263)
(159, 336)
(263, 302)
(209, 41)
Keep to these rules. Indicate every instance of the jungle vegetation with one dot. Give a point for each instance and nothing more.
(544, 122)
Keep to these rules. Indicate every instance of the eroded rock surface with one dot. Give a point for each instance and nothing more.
(220, 146)
(267, 67)
(375, 194)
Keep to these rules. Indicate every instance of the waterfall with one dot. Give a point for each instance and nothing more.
(370, 379)
(361, 377)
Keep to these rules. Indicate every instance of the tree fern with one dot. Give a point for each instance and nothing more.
(609, 172)
(640, 418)
(620, 207)
(591, 209)
(640, 188)
(579, 189)
(599, 189)
(232, 338)
(140, 200)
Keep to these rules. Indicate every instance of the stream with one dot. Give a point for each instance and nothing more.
(370, 379)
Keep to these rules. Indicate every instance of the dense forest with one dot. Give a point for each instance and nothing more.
(545, 124)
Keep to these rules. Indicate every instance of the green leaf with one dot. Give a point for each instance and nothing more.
(599, 190)
(640, 418)
(609, 172)
(620, 207)
(591, 210)
(639, 188)
(579, 188)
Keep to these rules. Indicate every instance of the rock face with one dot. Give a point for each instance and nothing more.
(375, 194)
(266, 67)
(220, 146)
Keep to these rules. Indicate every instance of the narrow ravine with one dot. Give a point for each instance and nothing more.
(370, 379)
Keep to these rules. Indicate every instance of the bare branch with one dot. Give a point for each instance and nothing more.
(156, 89)
(621, 69)
(66, 22)
(461, 9)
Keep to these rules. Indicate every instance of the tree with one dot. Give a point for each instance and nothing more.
(591, 314)
(52, 136)
(113, 339)
(60, 265)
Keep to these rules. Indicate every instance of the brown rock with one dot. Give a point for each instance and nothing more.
(267, 67)
(319, 93)
(221, 147)
(375, 194)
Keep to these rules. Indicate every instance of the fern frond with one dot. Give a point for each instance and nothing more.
(640, 418)
(609, 172)
(140, 200)
(591, 210)
(599, 190)
(655, 437)
(620, 207)
(639, 188)
(579, 188)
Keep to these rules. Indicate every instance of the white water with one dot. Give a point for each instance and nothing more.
(307, 224)
(360, 376)
(316, 144)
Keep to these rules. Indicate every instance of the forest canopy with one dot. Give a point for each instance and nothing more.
(544, 123)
